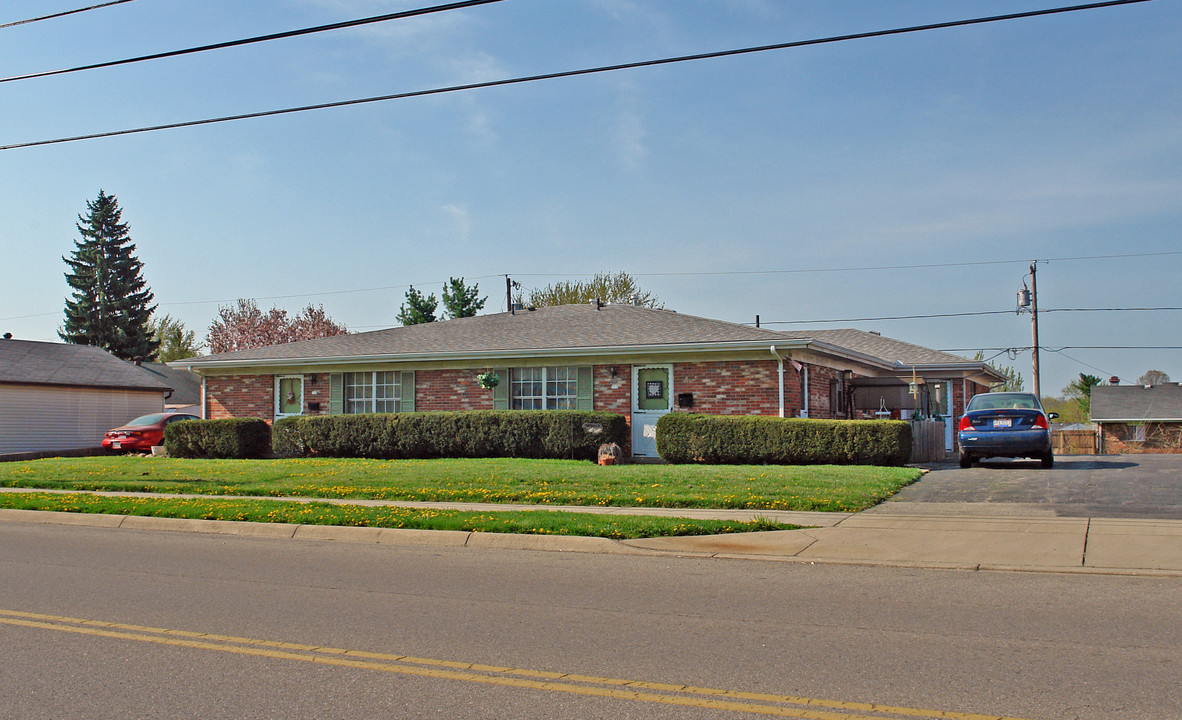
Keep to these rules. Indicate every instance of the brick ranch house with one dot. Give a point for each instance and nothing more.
(1138, 418)
(635, 361)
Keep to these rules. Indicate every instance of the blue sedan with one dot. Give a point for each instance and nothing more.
(1005, 424)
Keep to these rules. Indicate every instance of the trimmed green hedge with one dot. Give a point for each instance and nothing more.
(560, 434)
(739, 440)
(228, 438)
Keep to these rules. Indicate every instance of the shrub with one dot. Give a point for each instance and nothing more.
(286, 440)
(733, 439)
(559, 434)
(229, 438)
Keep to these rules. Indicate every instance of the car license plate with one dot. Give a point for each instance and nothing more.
(116, 445)
(1002, 422)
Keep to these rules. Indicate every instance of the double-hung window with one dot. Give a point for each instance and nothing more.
(544, 388)
(369, 392)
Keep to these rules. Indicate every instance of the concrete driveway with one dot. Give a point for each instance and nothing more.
(1108, 486)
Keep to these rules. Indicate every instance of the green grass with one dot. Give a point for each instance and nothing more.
(543, 482)
(536, 522)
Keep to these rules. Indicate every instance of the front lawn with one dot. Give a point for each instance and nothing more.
(500, 480)
(528, 522)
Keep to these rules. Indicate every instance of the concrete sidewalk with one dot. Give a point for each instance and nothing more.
(958, 540)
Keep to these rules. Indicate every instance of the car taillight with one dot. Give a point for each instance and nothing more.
(1040, 422)
(135, 433)
(966, 423)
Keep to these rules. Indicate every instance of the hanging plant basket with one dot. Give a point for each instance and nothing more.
(488, 379)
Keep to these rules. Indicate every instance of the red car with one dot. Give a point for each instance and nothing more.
(143, 432)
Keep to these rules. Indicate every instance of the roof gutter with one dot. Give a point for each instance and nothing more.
(197, 365)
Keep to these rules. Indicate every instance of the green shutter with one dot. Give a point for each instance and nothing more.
(501, 391)
(336, 394)
(586, 389)
(406, 402)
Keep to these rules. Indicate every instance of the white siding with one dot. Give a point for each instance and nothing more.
(37, 417)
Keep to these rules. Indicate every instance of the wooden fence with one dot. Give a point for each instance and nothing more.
(927, 441)
(1074, 442)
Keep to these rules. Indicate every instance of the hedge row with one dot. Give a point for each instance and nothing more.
(229, 438)
(562, 434)
(732, 439)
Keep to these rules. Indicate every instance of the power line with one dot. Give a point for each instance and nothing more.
(1060, 349)
(61, 14)
(575, 73)
(864, 268)
(960, 314)
(892, 317)
(1128, 309)
(257, 39)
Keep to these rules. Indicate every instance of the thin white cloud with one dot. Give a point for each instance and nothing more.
(629, 140)
(461, 220)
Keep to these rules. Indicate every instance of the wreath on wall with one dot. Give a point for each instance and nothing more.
(488, 379)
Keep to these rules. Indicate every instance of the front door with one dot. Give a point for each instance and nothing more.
(289, 395)
(652, 393)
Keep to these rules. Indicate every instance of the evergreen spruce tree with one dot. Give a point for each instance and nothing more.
(417, 309)
(459, 300)
(110, 305)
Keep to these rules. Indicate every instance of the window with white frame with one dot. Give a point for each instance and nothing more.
(368, 392)
(544, 388)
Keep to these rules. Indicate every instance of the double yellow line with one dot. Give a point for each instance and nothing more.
(635, 690)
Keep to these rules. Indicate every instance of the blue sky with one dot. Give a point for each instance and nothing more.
(716, 183)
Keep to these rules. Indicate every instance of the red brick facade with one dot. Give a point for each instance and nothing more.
(233, 396)
(450, 390)
(739, 387)
(748, 387)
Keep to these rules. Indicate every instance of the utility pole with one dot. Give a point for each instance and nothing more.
(509, 295)
(1028, 301)
(1034, 322)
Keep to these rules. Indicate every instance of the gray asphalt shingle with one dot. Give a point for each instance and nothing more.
(41, 363)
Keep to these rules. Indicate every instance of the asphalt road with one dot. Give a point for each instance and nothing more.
(100, 623)
(1111, 486)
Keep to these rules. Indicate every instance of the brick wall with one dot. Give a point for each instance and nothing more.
(451, 390)
(747, 387)
(614, 395)
(820, 400)
(240, 396)
(316, 392)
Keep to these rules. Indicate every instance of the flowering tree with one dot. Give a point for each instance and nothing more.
(243, 325)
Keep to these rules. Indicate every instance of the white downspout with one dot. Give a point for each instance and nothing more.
(805, 371)
(203, 398)
(780, 371)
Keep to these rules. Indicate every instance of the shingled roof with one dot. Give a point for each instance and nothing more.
(563, 327)
(28, 362)
(1133, 403)
(577, 329)
(875, 345)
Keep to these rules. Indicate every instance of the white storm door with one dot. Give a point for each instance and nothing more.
(289, 395)
(652, 398)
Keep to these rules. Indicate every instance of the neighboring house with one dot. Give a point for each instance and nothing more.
(56, 396)
(636, 361)
(1138, 418)
(186, 387)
